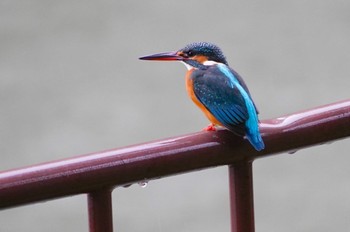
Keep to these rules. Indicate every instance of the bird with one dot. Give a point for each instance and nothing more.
(218, 90)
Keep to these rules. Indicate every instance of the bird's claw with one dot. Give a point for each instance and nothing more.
(211, 127)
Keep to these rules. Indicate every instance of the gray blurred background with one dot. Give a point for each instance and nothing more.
(71, 83)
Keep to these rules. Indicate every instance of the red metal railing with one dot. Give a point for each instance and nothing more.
(97, 174)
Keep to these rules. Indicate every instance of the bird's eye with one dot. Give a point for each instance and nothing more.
(190, 53)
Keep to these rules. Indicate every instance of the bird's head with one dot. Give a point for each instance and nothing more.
(194, 55)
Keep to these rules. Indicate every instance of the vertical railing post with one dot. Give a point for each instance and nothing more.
(100, 211)
(241, 197)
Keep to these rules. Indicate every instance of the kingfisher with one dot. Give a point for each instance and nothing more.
(218, 90)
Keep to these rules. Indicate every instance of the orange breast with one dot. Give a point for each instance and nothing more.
(190, 91)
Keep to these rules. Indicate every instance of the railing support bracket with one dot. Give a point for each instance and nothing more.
(100, 211)
(241, 197)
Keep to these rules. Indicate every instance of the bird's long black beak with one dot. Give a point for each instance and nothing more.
(165, 56)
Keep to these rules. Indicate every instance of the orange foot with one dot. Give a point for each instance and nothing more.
(211, 127)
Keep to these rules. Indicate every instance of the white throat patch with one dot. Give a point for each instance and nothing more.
(189, 67)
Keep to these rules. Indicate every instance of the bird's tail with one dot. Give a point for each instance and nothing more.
(256, 141)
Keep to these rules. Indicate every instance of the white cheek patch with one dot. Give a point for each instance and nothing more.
(210, 62)
(207, 63)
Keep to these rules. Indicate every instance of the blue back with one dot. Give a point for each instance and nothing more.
(223, 92)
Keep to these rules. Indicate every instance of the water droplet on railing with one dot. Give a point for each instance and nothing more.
(327, 143)
(143, 184)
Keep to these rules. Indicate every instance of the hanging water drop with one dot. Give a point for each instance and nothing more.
(292, 152)
(143, 184)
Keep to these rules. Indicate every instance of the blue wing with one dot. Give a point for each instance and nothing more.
(214, 90)
(223, 92)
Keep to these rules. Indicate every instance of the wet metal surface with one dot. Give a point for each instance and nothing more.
(123, 166)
